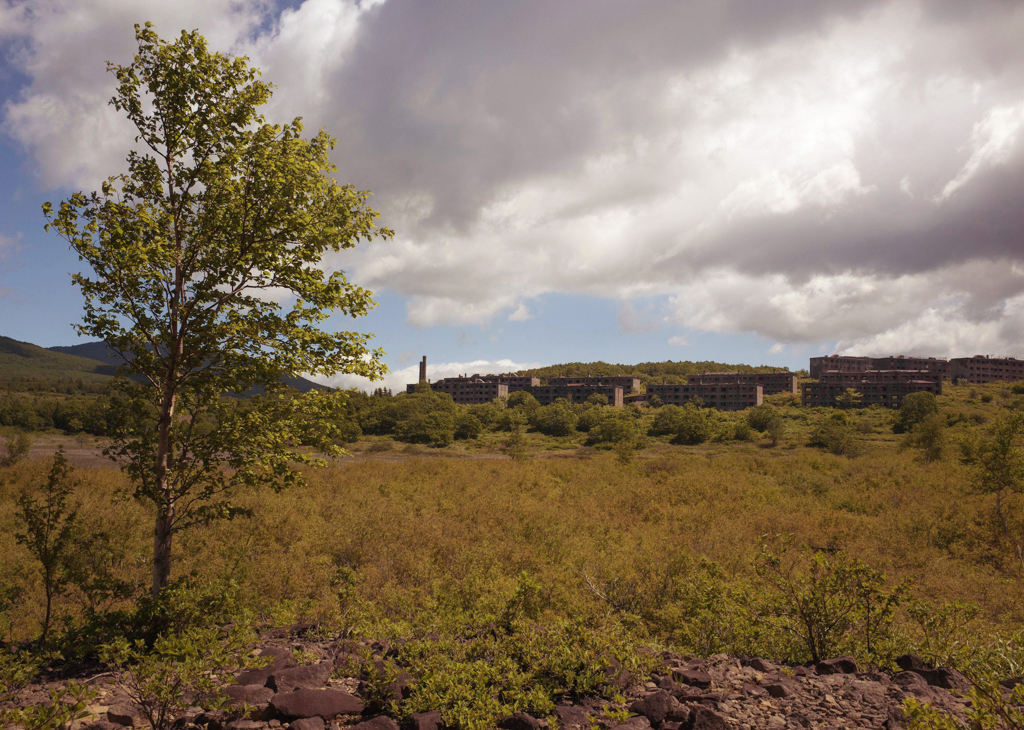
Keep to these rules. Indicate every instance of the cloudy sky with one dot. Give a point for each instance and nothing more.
(735, 180)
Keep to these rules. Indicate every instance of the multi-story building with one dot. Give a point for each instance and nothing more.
(575, 393)
(985, 369)
(724, 396)
(627, 383)
(467, 390)
(839, 363)
(902, 362)
(881, 376)
(851, 364)
(779, 381)
(886, 393)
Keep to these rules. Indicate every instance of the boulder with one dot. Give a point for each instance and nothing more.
(634, 723)
(431, 720)
(1012, 682)
(252, 694)
(244, 725)
(280, 657)
(124, 715)
(760, 665)
(911, 663)
(381, 722)
(571, 716)
(658, 707)
(307, 677)
(519, 721)
(946, 678)
(308, 723)
(704, 718)
(781, 689)
(839, 665)
(693, 677)
(325, 703)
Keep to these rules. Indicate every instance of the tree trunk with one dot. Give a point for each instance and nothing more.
(163, 530)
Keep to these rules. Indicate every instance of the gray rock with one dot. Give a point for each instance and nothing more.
(124, 715)
(308, 723)
(519, 721)
(252, 694)
(381, 722)
(839, 665)
(571, 716)
(634, 723)
(325, 703)
(704, 718)
(431, 720)
(308, 677)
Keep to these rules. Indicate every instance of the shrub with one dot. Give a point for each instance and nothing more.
(835, 434)
(929, 436)
(590, 417)
(50, 524)
(180, 671)
(666, 421)
(613, 429)
(66, 706)
(468, 426)
(916, 407)
(557, 419)
(17, 449)
(693, 425)
(436, 428)
(760, 417)
(830, 604)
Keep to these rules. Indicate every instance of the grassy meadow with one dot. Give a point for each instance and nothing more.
(402, 540)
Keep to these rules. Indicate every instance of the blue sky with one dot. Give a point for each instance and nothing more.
(581, 181)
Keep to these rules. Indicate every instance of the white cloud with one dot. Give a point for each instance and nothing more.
(776, 349)
(521, 314)
(678, 341)
(396, 380)
(824, 171)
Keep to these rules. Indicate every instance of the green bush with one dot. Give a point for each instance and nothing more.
(468, 426)
(612, 429)
(666, 421)
(590, 417)
(557, 419)
(693, 425)
(916, 407)
(835, 434)
(761, 417)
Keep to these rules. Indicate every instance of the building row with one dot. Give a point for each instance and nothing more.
(724, 391)
(876, 387)
(976, 369)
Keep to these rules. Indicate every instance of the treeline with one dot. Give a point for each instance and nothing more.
(65, 386)
(648, 372)
(83, 414)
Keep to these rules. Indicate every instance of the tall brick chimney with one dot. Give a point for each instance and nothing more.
(423, 369)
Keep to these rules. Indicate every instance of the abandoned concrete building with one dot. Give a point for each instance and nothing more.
(839, 364)
(885, 393)
(780, 381)
(724, 397)
(468, 390)
(627, 383)
(985, 369)
(575, 393)
(881, 376)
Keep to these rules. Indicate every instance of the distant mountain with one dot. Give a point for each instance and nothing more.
(21, 361)
(100, 351)
(90, 362)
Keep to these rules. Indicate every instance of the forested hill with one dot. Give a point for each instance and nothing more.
(668, 371)
(24, 361)
(89, 362)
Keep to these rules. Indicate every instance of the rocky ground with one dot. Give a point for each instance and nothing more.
(717, 693)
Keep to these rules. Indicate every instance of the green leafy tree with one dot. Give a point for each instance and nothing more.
(916, 407)
(50, 523)
(929, 437)
(557, 419)
(693, 425)
(17, 449)
(468, 426)
(997, 458)
(849, 398)
(207, 279)
(835, 434)
(614, 428)
(760, 417)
